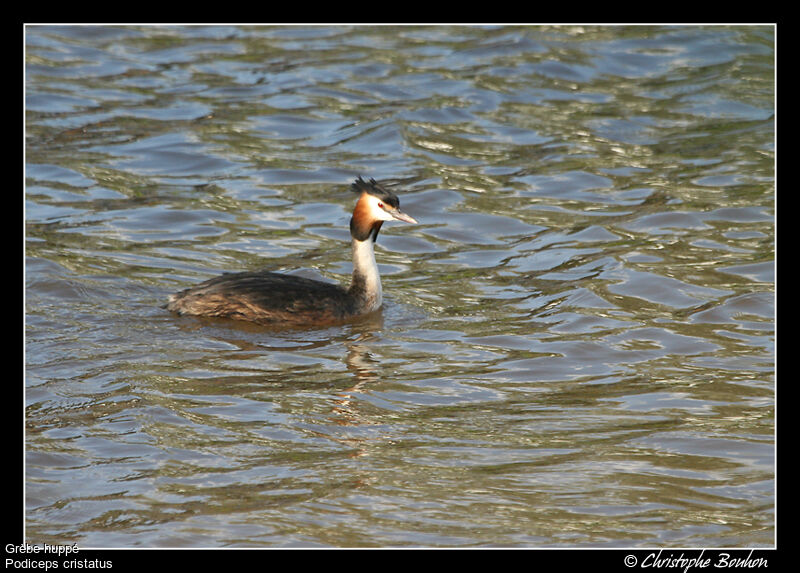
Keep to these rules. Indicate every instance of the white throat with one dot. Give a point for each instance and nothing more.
(365, 274)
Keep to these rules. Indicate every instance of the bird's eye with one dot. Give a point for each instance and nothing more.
(380, 204)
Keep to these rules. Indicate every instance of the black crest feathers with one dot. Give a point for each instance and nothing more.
(375, 189)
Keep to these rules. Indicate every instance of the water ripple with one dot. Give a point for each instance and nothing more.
(577, 343)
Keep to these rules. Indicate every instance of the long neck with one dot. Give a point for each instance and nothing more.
(366, 283)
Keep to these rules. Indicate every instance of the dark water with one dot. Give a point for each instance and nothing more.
(577, 343)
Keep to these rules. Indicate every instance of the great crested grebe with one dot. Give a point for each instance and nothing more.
(269, 298)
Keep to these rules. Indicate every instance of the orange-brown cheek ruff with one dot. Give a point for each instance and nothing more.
(271, 298)
(363, 225)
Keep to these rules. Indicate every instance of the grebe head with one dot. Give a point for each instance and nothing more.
(375, 205)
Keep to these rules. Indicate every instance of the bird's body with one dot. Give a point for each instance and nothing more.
(268, 298)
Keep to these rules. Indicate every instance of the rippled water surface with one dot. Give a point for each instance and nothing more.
(577, 341)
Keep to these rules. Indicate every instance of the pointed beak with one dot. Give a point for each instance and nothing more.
(400, 216)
